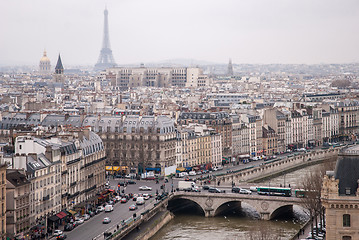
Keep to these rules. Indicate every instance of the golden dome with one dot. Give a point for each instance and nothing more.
(44, 58)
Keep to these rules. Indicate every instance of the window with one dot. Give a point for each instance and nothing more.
(346, 220)
(347, 238)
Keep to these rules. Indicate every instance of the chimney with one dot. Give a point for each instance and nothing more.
(48, 153)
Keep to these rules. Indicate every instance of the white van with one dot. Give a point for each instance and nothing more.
(140, 201)
(108, 208)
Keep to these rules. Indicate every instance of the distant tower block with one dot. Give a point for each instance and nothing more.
(59, 71)
(45, 64)
(230, 68)
(105, 59)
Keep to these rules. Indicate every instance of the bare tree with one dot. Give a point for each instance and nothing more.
(312, 186)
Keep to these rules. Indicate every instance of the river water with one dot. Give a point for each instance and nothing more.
(242, 225)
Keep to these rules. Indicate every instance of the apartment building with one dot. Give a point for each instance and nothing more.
(220, 121)
(157, 77)
(17, 204)
(3, 200)
(136, 143)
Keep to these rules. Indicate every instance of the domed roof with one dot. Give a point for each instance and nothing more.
(44, 58)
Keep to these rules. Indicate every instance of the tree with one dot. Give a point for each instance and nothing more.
(312, 186)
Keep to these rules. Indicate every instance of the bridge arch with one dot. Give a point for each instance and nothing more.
(288, 208)
(236, 207)
(184, 204)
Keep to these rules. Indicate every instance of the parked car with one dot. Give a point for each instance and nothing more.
(69, 227)
(79, 221)
(133, 207)
(100, 209)
(236, 189)
(57, 232)
(245, 191)
(108, 208)
(145, 188)
(146, 196)
(61, 236)
(86, 217)
(106, 220)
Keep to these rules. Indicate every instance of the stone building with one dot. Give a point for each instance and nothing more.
(340, 197)
(137, 143)
(276, 120)
(17, 203)
(269, 141)
(220, 121)
(157, 77)
(42, 163)
(3, 200)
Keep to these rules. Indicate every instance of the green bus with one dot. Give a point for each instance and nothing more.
(299, 193)
(287, 192)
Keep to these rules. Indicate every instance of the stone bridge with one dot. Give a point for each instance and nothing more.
(268, 207)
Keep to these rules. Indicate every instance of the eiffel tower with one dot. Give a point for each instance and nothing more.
(105, 59)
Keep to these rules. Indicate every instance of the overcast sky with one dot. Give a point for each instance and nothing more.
(248, 31)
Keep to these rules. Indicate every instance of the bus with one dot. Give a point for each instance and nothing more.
(299, 193)
(287, 192)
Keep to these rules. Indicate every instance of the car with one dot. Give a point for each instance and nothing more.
(100, 209)
(131, 182)
(140, 201)
(192, 173)
(219, 167)
(134, 197)
(121, 184)
(146, 196)
(123, 200)
(236, 189)
(133, 207)
(86, 217)
(145, 188)
(108, 208)
(198, 173)
(57, 232)
(69, 227)
(79, 221)
(106, 220)
(61, 236)
(110, 202)
(215, 190)
(205, 187)
(245, 191)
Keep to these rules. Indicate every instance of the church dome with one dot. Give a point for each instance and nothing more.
(44, 58)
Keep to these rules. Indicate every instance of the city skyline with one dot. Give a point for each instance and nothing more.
(257, 32)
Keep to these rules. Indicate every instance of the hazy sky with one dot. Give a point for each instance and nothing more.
(248, 31)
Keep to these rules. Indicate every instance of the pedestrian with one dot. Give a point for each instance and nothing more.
(118, 227)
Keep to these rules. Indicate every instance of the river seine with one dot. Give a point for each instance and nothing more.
(242, 225)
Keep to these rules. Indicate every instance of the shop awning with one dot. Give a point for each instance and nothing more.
(72, 212)
(153, 169)
(180, 169)
(116, 168)
(61, 215)
(54, 218)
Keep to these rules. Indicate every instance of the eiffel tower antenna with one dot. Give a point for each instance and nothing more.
(105, 59)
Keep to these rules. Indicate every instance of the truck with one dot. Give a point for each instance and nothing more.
(187, 186)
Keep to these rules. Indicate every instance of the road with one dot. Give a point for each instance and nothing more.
(94, 226)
